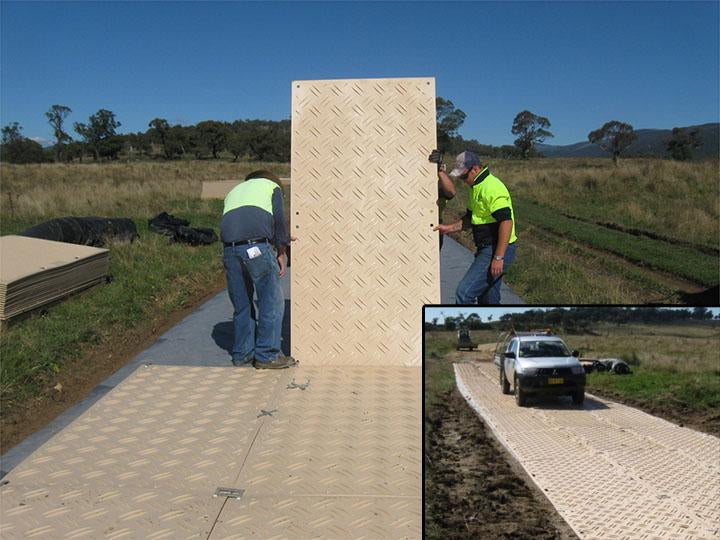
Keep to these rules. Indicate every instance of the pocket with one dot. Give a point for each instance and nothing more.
(259, 266)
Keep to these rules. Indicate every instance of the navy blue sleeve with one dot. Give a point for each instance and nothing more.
(281, 237)
(503, 214)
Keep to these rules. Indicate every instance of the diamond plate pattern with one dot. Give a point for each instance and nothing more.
(354, 431)
(363, 207)
(339, 458)
(359, 518)
(611, 471)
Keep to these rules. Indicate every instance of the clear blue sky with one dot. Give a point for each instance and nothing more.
(580, 64)
(442, 312)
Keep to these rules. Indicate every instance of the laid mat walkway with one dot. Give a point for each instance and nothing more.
(610, 470)
(318, 452)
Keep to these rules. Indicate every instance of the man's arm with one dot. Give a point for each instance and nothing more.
(457, 226)
(447, 188)
(281, 237)
(504, 216)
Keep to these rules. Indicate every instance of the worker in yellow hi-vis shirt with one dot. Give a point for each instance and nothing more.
(492, 219)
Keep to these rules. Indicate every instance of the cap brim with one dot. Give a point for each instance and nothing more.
(458, 171)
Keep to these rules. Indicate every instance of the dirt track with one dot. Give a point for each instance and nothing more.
(475, 491)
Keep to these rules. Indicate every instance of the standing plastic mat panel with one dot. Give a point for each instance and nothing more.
(363, 208)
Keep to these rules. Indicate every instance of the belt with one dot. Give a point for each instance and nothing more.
(248, 241)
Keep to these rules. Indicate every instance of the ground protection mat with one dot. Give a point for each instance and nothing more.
(325, 452)
(218, 189)
(363, 207)
(611, 471)
(35, 272)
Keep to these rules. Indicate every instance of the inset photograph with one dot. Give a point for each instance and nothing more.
(571, 422)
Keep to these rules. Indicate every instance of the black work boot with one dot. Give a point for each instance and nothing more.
(276, 363)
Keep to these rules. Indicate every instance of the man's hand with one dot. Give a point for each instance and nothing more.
(496, 268)
(281, 263)
(444, 229)
(436, 157)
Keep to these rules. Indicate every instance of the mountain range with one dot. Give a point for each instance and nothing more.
(650, 142)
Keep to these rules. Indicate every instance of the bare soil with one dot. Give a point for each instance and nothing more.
(475, 489)
(78, 377)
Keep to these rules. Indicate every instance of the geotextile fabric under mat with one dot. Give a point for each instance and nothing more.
(364, 202)
(610, 470)
(35, 272)
(331, 452)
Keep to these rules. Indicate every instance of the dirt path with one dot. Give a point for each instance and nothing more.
(473, 490)
(78, 377)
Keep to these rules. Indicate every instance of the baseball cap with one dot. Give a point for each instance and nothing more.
(464, 162)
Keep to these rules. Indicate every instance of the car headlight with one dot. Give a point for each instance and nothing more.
(578, 370)
(526, 370)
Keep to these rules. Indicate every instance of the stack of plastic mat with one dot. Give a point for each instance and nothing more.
(220, 188)
(35, 272)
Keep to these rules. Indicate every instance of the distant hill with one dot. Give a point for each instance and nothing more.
(650, 142)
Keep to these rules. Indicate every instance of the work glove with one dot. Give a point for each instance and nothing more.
(436, 156)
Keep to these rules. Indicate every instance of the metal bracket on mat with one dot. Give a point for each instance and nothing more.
(303, 386)
(230, 493)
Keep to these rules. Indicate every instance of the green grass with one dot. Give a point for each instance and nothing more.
(679, 260)
(150, 278)
(658, 386)
(676, 363)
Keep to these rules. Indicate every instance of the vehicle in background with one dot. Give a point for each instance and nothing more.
(464, 341)
(538, 363)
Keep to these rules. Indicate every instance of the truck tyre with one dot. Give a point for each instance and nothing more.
(504, 383)
(520, 396)
(578, 397)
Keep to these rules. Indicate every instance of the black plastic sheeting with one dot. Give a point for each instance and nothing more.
(87, 231)
(179, 231)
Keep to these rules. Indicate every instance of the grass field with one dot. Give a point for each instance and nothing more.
(676, 367)
(152, 277)
(592, 233)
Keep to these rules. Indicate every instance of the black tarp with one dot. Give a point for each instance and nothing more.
(87, 231)
(178, 230)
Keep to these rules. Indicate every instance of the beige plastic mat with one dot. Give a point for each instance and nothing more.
(323, 452)
(610, 470)
(363, 207)
(220, 188)
(35, 272)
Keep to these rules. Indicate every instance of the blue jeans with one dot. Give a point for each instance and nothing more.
(255, 337)
(477, 284)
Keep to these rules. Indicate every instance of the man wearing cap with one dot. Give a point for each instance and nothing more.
(490, 215)
(255, 237)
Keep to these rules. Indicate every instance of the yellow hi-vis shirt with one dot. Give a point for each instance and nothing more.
(489, 195)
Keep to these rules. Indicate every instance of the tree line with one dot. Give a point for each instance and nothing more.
(268, 140)
(98, 139)
(614, 136)
(572, 319)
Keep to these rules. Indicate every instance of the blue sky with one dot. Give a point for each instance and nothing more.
(651, 64)
(484, 312)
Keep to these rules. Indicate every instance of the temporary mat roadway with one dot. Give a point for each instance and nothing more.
(610, 470)
(317, 452)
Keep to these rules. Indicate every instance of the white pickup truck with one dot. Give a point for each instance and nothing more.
(539, 363)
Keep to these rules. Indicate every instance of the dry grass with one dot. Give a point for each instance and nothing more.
(133, 189)
(687, 348)
(677, 199)
(681, 348)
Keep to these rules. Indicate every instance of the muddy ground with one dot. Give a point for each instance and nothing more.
(473, 489)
